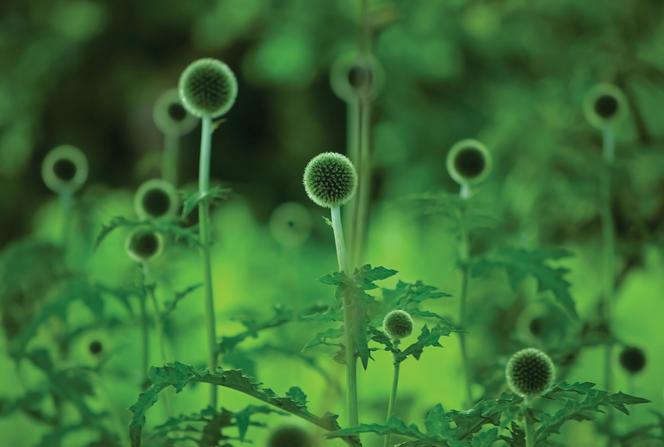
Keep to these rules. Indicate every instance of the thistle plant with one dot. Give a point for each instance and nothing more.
(156, 199)
(174, 121)
(468, 163)
(208, 89)
(398, 324)
(330, 181)
(530, 373)
(64, 171)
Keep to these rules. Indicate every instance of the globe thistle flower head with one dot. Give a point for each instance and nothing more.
(469, 162)
(208, 88)
(289, 436)
(530, 373)
(330, 179)
(156, 199)
(604, 104)
(398, 324)
(170, 115)
(144, 245)
(65, 169)
(353, 75)
(632, 359)
(290, 224)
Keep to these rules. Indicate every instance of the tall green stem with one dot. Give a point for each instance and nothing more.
(464, 260)
(169, 166)
(145, 347)
(350, 357)
(361, 211)
(529, 429)
(66, 205)
(609, 254)
(352, 143)
(393, 397)
(204, 235)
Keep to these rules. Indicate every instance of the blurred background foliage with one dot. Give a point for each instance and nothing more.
(512, 73)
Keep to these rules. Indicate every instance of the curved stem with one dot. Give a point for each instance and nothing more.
(464, 259)
(169, 166)
(609, 253)
(393, 398)
(204, 235)
(350, 357)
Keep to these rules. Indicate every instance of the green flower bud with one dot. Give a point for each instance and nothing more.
(208, 88)
(330, 179)
(530, 373)
(65, 169)
(170, 115)
(156, 199)
(604, 104)
(469, 162)
(398, 324)
(290, 224)
(144, 245)
(632, 359)
(289, 436)
(353, 75)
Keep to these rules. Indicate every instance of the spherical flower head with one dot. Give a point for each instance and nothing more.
(290, 224)
(208, 88)
(65, 169)
(604, 105)
(398, 324)
(156, 199)
(530, 372)
(170, 115)
(469, 162)
(632, 359)
(289, 436)
(330, 179)
(144, 245)
(353, 75)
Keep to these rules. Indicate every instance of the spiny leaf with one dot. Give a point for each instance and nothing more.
(520, 263)
(427, 337)
(169, 228)
(170, 306)
(214, 194)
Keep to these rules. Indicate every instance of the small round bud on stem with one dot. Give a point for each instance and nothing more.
(530, 373)
(632, 359)
(330, 179)
(156, 199)
(289, 436)
(398, 324)
(605, 104)
(170, 115)
(208, 88)
(144, 245)
(469, 162)
(354, 75)
(65, 169)
(290, 224)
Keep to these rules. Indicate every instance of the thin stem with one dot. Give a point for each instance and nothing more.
(361, 211)
(204, 235)
(351, 359)
(66, 205)
(529, 429)
(169, 167)
(464, 259)
(145, 347)
(609, 254)
(393, 397)
(352, 143)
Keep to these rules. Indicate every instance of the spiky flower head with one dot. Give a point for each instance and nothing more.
(289, 436)
(633, 359)
(208, 88)
(469, 162)
(65, 169)
(530, 372)
(156, 199)
(353, 75)
(330, 179)
(170, 115)
(290, 224)
(398, 324)
(144, 244)
(605, 104)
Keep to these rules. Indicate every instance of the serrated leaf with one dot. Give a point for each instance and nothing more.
(168, 228)
(520, 263)
(169, 306)
(428, 337)
(214, 194)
